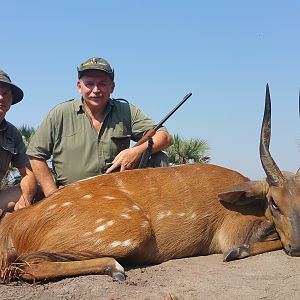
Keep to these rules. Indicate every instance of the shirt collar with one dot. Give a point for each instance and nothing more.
(78, 105)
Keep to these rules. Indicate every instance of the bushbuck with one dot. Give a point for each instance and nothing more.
(149, 216)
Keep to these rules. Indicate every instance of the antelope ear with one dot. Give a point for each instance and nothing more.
(244, 193)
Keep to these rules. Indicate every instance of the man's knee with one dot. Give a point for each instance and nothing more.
(10, 196)
(159, 159)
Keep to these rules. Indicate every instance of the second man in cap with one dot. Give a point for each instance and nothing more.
(83, 136)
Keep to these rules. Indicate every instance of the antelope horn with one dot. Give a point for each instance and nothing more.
(298, 172)
(274, 175)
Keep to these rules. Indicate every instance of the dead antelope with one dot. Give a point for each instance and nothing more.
(152, 215)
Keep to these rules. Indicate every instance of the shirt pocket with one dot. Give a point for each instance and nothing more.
(8, 144)
(120, 142)
(70, 130)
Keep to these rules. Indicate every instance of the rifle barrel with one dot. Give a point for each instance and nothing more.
(171, 113)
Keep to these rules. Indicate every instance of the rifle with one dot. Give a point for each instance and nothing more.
(151, 132)
(148, 136)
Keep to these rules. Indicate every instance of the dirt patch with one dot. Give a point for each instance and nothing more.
(268, 276)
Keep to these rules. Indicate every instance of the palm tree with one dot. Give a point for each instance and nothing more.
(188, 151)
(27, 132)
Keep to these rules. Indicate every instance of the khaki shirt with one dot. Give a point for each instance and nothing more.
(77, 151)
(12, 148)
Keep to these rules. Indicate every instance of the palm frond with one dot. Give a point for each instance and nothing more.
(188, 151)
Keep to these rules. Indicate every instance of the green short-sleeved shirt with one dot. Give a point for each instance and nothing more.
(12, 148)
(77, 151)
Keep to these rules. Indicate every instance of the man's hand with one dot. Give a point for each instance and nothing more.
(43, 175)
(126, 159)
(129, 158)
(27, 189)
(22, 202)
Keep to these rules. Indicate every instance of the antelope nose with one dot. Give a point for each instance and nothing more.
(292, 251)
(295, 252)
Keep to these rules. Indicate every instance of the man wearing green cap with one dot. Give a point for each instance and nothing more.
(12, 150)
(86, 135)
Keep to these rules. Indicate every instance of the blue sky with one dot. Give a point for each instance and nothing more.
(224, 52)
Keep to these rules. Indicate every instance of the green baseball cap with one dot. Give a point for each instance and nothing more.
(96, 63)
(16, 91)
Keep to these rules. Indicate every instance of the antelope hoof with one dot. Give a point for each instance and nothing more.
(236, 253)
(119, 276)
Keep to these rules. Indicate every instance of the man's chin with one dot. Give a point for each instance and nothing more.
(97, 100)
(3, 110)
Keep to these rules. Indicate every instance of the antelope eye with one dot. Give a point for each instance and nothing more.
(274, 206)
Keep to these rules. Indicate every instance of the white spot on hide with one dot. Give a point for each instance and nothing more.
(126, 243)
(193, 216)
(115, 244)
(145, 224)
(104, 226)
(100, 228)
(51, 206)
(111, 222)
(109, 197)
(86, 197)
(125, 216)
(98, 242)
(122, 187)
(88, 233)
(164, 214)
(181, 214)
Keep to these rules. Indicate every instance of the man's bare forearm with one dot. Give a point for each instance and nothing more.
(28, 184)
(161, 141)
(43, 175)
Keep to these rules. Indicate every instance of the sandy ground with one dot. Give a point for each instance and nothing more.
(271, 275)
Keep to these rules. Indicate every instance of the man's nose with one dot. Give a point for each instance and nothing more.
(96, 89)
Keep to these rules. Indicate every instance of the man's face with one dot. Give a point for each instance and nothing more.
(95, 87)
(6, 98)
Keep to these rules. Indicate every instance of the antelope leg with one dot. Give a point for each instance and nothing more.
(251, 250)
(44, 270)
